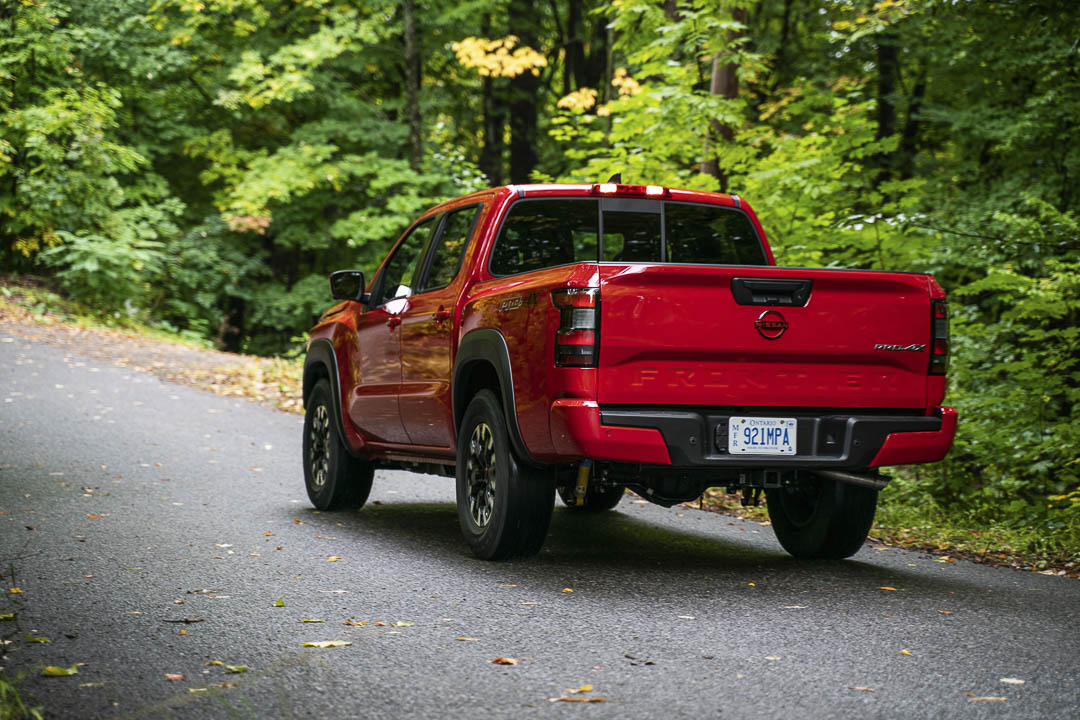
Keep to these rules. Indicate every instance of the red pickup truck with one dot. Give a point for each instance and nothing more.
(582, 339)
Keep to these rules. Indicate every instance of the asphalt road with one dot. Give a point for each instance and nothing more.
(127, 503)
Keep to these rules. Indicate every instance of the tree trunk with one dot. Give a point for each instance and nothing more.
(491, 152)
(575, 45)
(910, 135)
(724, 82)
(412, 85)
(888, 62)
(524, 90)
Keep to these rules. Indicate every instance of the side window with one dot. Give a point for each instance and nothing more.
(400, 273)
(451, 249)
(710, 234)
(542, 233)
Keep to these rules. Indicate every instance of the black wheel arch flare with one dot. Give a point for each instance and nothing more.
(321, 362)
(487, 346)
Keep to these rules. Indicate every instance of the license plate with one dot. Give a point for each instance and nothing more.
(761, 436)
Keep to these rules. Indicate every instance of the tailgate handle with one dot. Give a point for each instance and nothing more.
(769, 291)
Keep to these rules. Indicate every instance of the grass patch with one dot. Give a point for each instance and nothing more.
(29, 299)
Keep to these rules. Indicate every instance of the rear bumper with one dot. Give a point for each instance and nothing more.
(697, 438)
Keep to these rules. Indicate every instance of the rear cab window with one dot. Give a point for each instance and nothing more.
(548, 232)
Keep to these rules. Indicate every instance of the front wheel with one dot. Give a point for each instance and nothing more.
(821, 518)
(334, 478)
(504, 507)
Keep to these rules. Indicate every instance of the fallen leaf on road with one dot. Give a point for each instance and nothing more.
(182, 632)
(509, 585)
(404, 623)
(230, 668)
(567, 590)
(255, 469)
(795, 607)
(578, 699)
(280, 602)
(530, 603)
(380, 623)
(310, 620)
(890, 589)
(95, 516)
(268, 534)
(466, 639)
(772, 657)
(1012, 681)
(7, 616)
(326, 643)
(40, 639)
(582, 689)
(861, 688)
(987, 699)
(504, 661)
(174, 677)
(945, 612)
(14, 591)
(945, 558)
(297, 521)
(355, 623)
(54, 671)
(196, 690)
(333, 558)
(905, 652)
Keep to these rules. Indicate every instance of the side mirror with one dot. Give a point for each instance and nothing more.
(348, 285)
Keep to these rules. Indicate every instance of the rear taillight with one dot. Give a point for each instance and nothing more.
(939, 339)
(577, 340)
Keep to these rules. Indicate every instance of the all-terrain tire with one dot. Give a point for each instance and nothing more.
(822, 518)
(504, 506)
(335, 479)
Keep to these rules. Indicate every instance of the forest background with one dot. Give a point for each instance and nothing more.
(202, 165)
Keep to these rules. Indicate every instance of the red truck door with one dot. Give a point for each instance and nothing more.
(374, 407)
(427, 335)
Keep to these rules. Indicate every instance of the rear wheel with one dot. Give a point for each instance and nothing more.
(504, 506)
(334, 478)
(822, 518)
(597, 498)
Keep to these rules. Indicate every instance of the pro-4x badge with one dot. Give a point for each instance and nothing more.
(913, 347)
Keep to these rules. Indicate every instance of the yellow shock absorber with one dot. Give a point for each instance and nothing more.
(582, 487)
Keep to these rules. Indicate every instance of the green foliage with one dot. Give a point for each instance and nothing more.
(205, 165)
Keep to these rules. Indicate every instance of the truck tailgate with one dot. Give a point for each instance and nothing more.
(678, 335)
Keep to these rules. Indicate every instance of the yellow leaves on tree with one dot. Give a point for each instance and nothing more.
(493, 58)
(626, 84)
(582, 98)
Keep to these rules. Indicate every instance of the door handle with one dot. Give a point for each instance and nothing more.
(393, 322)
(440, 315)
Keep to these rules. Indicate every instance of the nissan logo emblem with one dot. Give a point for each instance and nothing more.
(771, 324)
